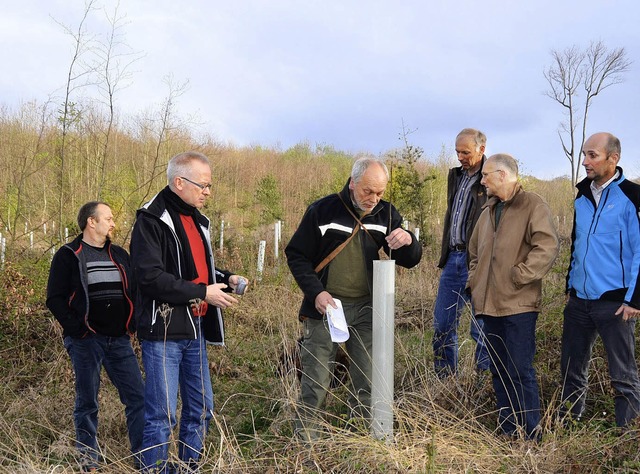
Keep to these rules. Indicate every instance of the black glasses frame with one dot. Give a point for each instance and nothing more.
(201, 186)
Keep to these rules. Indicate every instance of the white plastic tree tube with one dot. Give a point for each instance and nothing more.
(261, 251)
(221, 244)
(382, 385)
(276, 239)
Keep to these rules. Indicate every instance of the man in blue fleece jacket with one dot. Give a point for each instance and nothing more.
(603, 296)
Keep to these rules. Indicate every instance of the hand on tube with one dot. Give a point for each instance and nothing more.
(398, 238)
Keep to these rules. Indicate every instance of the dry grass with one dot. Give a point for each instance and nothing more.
(440, 426)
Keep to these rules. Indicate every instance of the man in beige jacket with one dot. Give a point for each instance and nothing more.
(512, 247)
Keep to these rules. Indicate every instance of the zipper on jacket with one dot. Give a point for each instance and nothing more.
(85, 287)
(601, 204)
(125, 284)
(193, 323)
(621, 260)
(178, 253)
(592, 230)
(595, 220)
(493, 244)
(153, 316)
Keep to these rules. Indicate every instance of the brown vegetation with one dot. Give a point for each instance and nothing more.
(440, 426)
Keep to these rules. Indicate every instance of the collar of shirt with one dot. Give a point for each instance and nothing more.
(597, 190)
(460, 209)
(477, 173)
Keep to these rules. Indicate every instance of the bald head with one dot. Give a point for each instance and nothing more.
(610, 141)
(601, 154)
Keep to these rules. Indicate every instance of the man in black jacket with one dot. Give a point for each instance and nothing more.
(323, 269)
(88, 293)
(465, 198)
(179, 296)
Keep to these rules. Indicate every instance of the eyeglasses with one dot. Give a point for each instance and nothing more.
(201, 186)
(487, 173)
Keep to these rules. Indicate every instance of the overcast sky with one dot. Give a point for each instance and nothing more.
(347, 73)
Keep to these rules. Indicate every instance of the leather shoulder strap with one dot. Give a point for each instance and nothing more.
(359, 225)
(354, 216)
(337, 250)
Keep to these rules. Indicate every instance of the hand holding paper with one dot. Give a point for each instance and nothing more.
(337, 322)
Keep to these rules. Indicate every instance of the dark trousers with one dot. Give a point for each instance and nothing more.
(511, 341)
(583, 321)
(88, 355)
(318, 354)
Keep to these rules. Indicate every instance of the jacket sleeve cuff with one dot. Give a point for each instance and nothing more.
(222, 276)
(202, 291)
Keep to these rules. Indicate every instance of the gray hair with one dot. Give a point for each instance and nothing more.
(479, 137)
(179, 165)
(361, 165)
(506, 162)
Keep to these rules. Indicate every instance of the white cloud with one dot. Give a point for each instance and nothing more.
(347, 73)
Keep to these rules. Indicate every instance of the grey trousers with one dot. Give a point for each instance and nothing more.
(318, 355)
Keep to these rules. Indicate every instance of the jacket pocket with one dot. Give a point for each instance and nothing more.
(514, 275)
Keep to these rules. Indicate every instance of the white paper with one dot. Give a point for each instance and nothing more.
(337, 322)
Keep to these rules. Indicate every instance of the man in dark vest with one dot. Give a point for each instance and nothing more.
(89, 294)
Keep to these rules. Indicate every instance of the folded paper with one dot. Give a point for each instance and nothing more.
(337, 323)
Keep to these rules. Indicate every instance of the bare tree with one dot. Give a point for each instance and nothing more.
(115, 59)
(26, 158)
(77, 76)
(572, 72)
(160, 127)
(409, 178)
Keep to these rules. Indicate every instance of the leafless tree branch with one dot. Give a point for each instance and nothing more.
(574, 70)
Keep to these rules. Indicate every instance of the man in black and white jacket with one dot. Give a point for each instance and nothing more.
(324, 268)
(180, 294)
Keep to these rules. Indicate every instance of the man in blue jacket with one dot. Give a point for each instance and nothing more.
(602, 283)
(89, 294)
(331, 256)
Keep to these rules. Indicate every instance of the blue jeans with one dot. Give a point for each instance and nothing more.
(450, 302)
(170, 365)
(511, 341)
(88, 355)
(583, 321)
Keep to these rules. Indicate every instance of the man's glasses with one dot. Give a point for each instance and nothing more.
(201, 186)
(487, 173)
